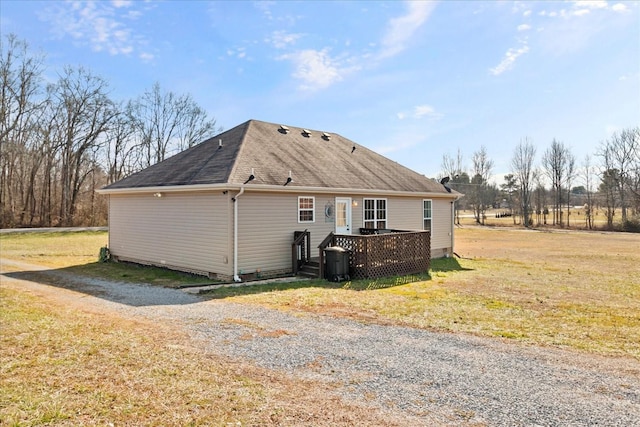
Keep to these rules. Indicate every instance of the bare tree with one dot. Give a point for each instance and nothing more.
(459, 179)
(81, 113)
(195, 126)
(635, 170)
(620, 175)
(165, 122)
(452, 167)
(120, 150)
(540, 196)
(569, 176)
(620, 154)
(59, 141)
(588, 173)
(522, 169)
(554, 161)
(480, 195)
(20, 75)
(20, 87)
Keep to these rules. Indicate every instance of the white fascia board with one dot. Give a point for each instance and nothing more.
(275, 188)
(350, 191)
(167, 189)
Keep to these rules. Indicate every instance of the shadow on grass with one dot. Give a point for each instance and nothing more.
(136, 273)
(437, 265)
(119, 282)
(447, 264)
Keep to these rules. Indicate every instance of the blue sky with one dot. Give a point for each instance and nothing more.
(410, 80)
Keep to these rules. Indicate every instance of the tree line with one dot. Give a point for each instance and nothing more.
(543, 193)
(62, 138)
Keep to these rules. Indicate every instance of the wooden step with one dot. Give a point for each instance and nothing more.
(311, 269)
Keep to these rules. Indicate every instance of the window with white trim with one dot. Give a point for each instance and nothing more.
(427, 214)
(306, 209)
(375, 213)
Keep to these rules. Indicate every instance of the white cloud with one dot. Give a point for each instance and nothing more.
(581, 12)
(282, 39)
(239, 52)
(526, 13)
(315, 69)
(590, 4)
(401, 29)
(265, 7)
(121, 3)
(619, 7)
(146, 57)
(509, 60)
(574, 27)
(524, 27)
(420, 112)
(97, 24)
(399, 145)
(630, 76)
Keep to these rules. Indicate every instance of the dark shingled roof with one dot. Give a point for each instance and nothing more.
(314, 160)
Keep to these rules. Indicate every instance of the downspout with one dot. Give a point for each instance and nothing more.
(236, 278)
(453, 220)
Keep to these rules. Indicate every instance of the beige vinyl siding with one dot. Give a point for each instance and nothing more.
(441, 227)
(357, 214)
(266, 224)
(405, 213)
(186, 231)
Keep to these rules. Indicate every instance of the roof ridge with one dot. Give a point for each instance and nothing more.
(240, 149)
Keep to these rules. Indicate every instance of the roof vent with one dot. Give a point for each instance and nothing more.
(306, 133)
(326, 136)
(283, 129)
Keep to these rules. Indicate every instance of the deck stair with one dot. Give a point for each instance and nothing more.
(310, 269)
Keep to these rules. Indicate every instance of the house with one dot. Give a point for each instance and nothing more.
(229, 207)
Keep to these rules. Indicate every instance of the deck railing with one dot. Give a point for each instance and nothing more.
(392, 253)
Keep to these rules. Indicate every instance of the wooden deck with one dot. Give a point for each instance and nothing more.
(392, 253)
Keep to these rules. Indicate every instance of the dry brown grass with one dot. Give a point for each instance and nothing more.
(63, 364)
(76, 252)
(67, 366)
(58, 249)
(568, 289)
(577, 219)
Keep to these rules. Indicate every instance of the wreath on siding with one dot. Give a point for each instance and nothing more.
(328, 211)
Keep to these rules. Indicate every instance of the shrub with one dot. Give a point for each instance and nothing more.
(631, 225)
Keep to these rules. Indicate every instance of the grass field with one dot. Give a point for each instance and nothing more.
(78, 253)
(64, 365)
(570, 289)
(577, 219)
(71, 365)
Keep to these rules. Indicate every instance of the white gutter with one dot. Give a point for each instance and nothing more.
(236, 278)
(272, 188)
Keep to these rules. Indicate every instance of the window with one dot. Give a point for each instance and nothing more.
(375, 213)
(306, 209)
(426, 214)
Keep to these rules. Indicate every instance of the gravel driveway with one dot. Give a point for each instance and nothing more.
(431, 377)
